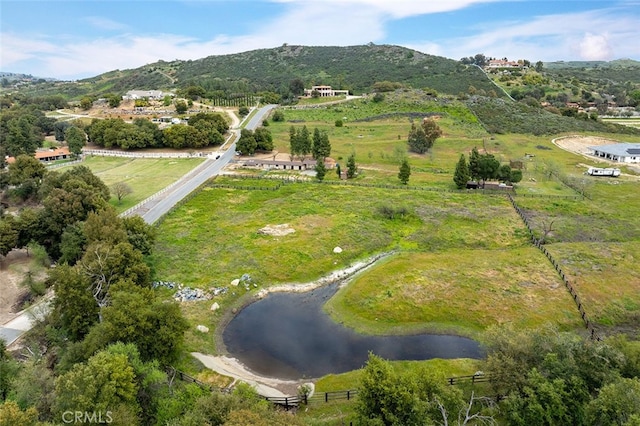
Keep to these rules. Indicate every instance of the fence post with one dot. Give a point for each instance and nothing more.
(326, 397)
(348, 395)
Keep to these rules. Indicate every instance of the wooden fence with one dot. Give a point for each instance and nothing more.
(293, 401)
(540, 245)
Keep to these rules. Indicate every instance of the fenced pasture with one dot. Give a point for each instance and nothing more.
(144, 176)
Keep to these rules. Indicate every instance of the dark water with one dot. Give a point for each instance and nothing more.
(287, 335)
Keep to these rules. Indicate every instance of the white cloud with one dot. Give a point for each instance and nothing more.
(595, 47)
(332, 22)
(547, 38)
(395, 8)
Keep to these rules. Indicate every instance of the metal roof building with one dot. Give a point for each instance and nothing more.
(620, 152)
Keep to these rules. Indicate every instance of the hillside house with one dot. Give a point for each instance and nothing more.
(148, 94)
(324, 91)
(620, 152)
(502, 63)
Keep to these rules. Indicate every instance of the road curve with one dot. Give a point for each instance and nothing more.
(156, 206)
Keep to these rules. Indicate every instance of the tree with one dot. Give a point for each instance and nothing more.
(121, 190)
(11, 415)
(418, 142)
(180, 136)
(431, 131)
(616, 403)
(74, 308)
(504, 173)
(296, 86)
(104, 382)
(488, 167)
(59, 130)
(140, 235)
(76, 139)
(304, 141)
(405, 172)
(278, 116)
(8, 235)
(264, 139)
(461, 176)
(321, 147)
(114, 100)
(516, 176)
(86, 103)
(247, 143)
(8, 369)
(352, 168)
(181, 107)
(106, 264)
(387, 397)
(321, 170)
(26, 168)
(33, 386)
(135, 316)
(474, 164)
(243, 111)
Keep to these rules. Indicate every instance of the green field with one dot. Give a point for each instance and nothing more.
(463, 260)
(144, 176)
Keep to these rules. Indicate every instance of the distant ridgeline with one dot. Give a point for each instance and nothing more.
(353, 68)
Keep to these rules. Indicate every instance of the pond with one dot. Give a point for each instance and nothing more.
(288, 335)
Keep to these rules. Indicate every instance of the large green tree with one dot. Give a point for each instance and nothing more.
(461, 175)
(76, 139)
(321, 147)
(247, 144)
(102, 384)
(474, 164)
(74, 308)
(417, 140)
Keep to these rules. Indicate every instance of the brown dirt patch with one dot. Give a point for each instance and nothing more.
(580, 145)
(12, 268)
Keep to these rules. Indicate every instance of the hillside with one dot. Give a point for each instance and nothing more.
(355, 68)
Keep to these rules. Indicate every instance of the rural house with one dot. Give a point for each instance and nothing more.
(620, 152)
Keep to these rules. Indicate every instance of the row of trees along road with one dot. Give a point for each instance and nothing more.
(204, 129)
(483, 167)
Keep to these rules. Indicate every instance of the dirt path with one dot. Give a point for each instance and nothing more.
(580, 145)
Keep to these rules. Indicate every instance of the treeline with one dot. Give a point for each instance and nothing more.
(23, 129)
(203, 129)
(540, 377)
(102, 349)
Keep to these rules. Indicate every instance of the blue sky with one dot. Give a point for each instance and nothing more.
(83, 38)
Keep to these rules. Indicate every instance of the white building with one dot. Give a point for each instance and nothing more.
(324, 91)
(149, 94)
(620, 152)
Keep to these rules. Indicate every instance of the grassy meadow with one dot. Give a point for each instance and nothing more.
(462, 261)
(144, 176)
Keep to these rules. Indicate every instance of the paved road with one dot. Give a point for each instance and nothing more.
(161, 203)
(15, 328)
